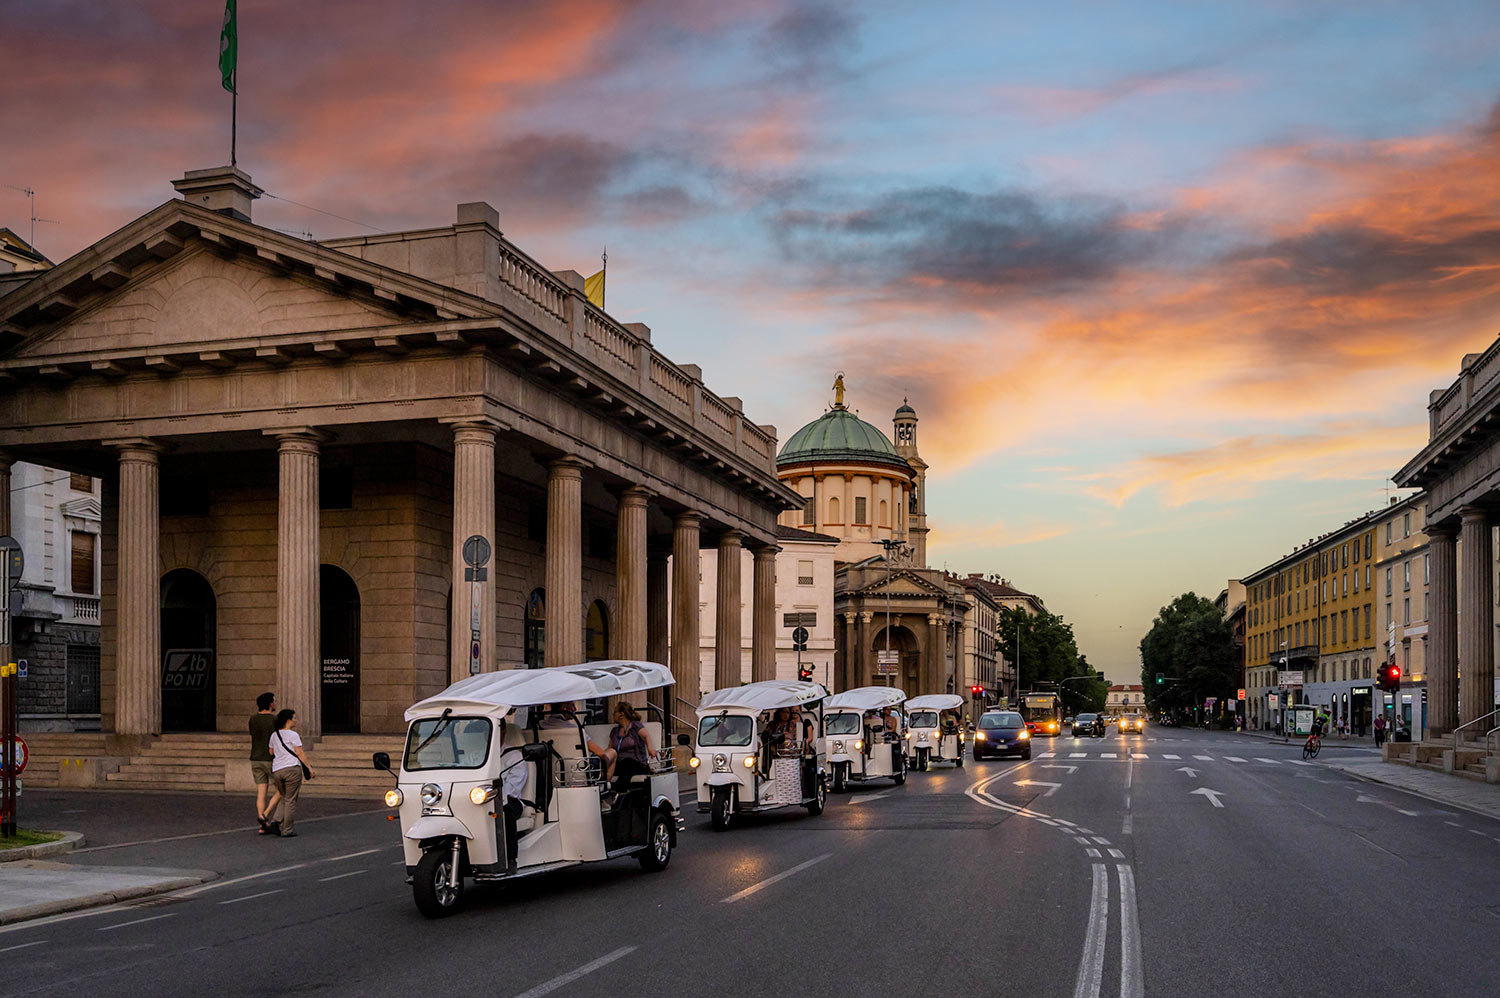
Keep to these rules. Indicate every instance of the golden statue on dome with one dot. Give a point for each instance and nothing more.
(838, 390)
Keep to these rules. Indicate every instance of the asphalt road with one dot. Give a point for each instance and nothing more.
(1099, 869)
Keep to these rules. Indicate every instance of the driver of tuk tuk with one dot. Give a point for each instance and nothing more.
(513, 774)
(873, 726)
(950, 723)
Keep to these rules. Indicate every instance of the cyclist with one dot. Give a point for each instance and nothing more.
(1315, 740)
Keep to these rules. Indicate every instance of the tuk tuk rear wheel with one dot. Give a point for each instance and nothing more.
(820, 797)
(924, 760)
(959, 762)
(721, 810)
(658, 844)
(429, 887)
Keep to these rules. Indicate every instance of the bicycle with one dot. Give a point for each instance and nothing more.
(1311, 746)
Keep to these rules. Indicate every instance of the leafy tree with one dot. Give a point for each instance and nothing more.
(1048, 652)
(1192, 646)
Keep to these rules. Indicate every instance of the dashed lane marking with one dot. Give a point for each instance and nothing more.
(138, 921)
(1140, 755)
(1093, 853)
(1273, 762)
(1205, 758)
(341, 876)
(1106, 755)
(11, 949)
(1233, 758)
(563, 981)
(1174, 758)
(1078, 755)
(252, 897)
(753, 888)
(1117, 854)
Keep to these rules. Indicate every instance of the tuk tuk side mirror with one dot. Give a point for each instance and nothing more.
(382, 761)
(684, 739)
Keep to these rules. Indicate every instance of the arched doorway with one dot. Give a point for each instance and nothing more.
(596, 633)
(536, 629)
(908, 669)
(339, 644)
(188, 624)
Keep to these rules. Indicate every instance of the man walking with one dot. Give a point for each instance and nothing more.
(262, 723)
(1379, 730)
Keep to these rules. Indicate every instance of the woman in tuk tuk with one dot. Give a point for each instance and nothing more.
(629, 752)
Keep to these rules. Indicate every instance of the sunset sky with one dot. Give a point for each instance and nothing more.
(1167, 282)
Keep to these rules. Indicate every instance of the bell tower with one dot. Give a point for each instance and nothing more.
(916, 511)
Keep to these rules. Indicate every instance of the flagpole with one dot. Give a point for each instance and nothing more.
(234, 111)
(604, 279)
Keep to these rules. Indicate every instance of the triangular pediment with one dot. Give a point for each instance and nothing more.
(903, 583)
(182, 279)
(85, 508)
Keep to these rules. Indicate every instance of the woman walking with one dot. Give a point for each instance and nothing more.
(288, 768)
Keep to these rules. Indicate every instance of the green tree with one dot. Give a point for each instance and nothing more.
(1047, 650)
(1192, 646)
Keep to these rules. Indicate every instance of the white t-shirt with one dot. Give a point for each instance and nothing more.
(285, 758)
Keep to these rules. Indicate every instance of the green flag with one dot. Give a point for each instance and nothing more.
(229, 46)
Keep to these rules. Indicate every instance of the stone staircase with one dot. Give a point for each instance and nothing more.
(208, 761)
(1470, 759)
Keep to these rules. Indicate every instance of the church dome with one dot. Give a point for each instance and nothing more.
(840, 436)
(906, 410)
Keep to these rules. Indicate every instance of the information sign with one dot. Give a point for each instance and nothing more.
(1288, 677)
(886, 668)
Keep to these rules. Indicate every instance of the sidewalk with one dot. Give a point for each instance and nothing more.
(35, 888)
(1455, 791)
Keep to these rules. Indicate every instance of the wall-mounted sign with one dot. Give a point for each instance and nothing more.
(337, 672)
(186, 668)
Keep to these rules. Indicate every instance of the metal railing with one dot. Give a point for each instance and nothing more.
(1469, 724)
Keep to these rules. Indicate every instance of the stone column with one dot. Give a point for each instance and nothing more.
(564, 562)
(299, 676)
(727, 650)
(5, 463)
(138, 648)
(473, 515)
(931, 678)
(1476, 619)
(1441, 666)
(845, 663)
(862, 672)
(686, 667)
(630, 576)
(959, 648)
(763, 616)
(658, 624)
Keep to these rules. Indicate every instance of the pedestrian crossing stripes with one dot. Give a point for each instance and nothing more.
(1121, 756)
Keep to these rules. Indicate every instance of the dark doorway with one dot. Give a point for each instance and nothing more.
(339, 641)
(536, 629)
(187, 651)
(596, 633)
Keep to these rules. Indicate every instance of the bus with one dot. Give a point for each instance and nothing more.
(1043, 713)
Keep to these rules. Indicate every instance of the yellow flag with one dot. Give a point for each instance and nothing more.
(593, 287)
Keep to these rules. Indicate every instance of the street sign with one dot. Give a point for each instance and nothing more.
(886, 668)
(799, 639)
(476, 551)
(805, 619)
(1240, 694)
(16, 754)
(1287, 677)
(888, 657)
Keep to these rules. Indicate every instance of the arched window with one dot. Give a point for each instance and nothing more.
(596, 633)
(833, 510)
(536, 629)
(885, 513)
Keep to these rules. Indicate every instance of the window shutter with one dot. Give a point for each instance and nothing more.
(82, 577)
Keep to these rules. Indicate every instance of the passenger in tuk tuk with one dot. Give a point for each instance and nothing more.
(892, 725)
(513, 777)
(950, 722)
(808, 730)
(629, 752)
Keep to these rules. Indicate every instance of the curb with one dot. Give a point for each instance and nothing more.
(68, 842)
(104, 898)
(1415, 793)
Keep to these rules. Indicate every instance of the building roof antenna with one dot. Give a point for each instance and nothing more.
(31, 196)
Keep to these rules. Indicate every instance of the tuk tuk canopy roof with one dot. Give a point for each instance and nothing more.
(768, 695)
(522, 687)
(866, 698)
(935, 701)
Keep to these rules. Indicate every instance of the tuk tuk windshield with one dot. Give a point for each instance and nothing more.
(924, 719)
(842, 723)
(725, 729)
(448, 743)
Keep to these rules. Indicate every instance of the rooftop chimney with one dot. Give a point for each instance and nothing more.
(224, 189)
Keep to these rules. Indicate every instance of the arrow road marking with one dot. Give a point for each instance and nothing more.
(1039, 783)
(1192, 773)
(1212, 795)
(868, 797)
(1070, 769)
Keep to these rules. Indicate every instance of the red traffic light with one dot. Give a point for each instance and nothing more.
(805, 673)
(976, 690)
(1395, 672)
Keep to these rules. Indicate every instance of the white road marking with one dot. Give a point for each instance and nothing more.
(1174, 758)
(353, 855)
(226, 831)
(1093, 853)
(1272, 762)
(1091, 963)
(1101, 840)
(1046, 755)
(1233, 758)
(1192, 773)
(1141, 755)
(195, 891)
(1475, 831)
(753, 888)
(1129, 825)
(1298, 762)
(1132, 976)
(1212, 795)
(1453, 824)
(138, 921)
(1205, 758)
(341, 876)
(38, 942)
(1085, 831)
(573, 975)
(1107, 755)
(252, 897)
(1039, 783)
(868, 797)
(1116, 854)
(1078, 755)
(1070, 769)
(1081, 840)
(1129, 780)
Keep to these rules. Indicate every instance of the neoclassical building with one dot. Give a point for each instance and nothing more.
(872, 495)
(295, 440)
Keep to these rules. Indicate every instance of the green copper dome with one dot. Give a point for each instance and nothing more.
(840, 436)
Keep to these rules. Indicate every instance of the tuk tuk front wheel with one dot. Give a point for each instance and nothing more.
(430, 888)
(924, 758)
(900, 777)
(658, 844)
(959, 762)
(721, 810)
(840, 778)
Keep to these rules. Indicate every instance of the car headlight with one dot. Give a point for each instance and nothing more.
(1024, 734)
(481, 795)
(721, 762)
(695, 762)
(431, 794)
(749, 762)
(838, 746)
(393, 798)
(859, 744)
(979, 736)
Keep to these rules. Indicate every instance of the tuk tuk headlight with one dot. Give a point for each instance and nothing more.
(721, 763)
(481, 795)
(859, 744)
(838, 745)
(695, 762)
(393, 798)
(431, 794)
(749, 762)
(924, 736)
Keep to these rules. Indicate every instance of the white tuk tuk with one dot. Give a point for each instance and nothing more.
(460, 748)
(935, 730)
(757, 751)
(859, 743)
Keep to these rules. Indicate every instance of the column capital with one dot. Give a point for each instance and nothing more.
(143, 449)
(1469, 514)
(1444, 530)
(934, 618)
(731, 539)
(637, 496)
(687, 518)
(473, 431)
(850, 618)
(567, 466)
(866, 616)
(767, 552)
(305, 439)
